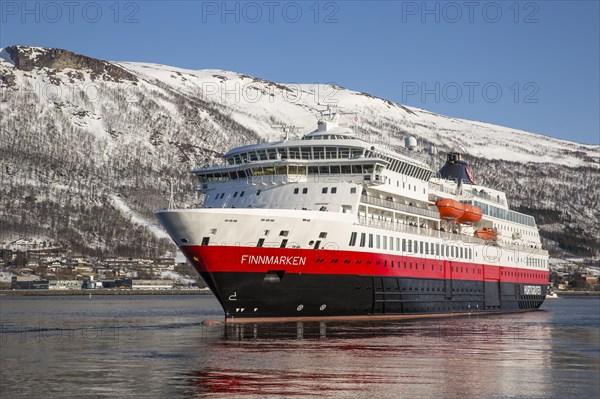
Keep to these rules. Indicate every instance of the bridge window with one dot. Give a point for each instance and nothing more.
(333, 190)
(296, 190)
(324, 190)
(305, 190)
(353, 190)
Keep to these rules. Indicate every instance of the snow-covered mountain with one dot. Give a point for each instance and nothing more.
(88, 147)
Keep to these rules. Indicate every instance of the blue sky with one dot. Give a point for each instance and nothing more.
(528, 65)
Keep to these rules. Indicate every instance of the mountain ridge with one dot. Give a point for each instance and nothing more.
(90, 129)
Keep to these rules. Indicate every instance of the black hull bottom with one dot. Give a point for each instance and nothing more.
(272, 295)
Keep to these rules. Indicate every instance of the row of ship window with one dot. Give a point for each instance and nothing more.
(535, 262)
(307, 153)
(531, 233)
(505, 214)
(317, 152)
(403, 168)
(258, 171)
(409, 246)
(523, 274)
(235, 194)
(324, 190)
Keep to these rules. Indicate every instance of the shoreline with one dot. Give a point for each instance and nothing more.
(577, 293)
(21, 293)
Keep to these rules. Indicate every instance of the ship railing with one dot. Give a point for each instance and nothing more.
(488, 197)
(429, 232)
(423, 231)
(384, 203)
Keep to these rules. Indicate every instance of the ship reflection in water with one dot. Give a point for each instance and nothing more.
(510, 356)
(481, 357)
(161, 349)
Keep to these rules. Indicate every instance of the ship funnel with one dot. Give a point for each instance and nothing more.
(456, 168)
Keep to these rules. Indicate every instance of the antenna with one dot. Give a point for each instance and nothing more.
(287, 129)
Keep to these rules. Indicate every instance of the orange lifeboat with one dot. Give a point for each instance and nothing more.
(472, 215)
(450, 209)
(486, 234)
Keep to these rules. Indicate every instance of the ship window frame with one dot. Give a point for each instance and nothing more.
(363, 239)
(357, 169)
(353, 239)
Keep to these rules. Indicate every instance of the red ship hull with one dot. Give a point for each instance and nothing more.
(267, 283)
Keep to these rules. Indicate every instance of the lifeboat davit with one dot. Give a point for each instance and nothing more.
(472, 215)
(486, 234)
(450, 209)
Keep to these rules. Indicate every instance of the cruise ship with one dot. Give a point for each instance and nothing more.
(333, 225)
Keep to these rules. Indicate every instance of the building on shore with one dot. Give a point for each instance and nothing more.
(28, 283)
(65, 284)
(152, 284)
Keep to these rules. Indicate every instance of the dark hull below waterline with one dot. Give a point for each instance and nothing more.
(306, 296)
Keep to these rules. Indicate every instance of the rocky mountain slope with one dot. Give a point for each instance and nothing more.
(89, 148)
